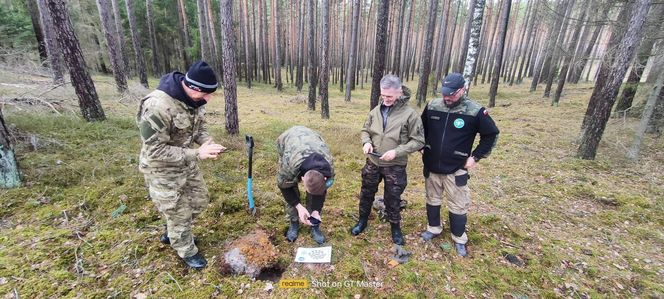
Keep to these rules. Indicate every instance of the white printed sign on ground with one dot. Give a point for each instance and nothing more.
(314, 255)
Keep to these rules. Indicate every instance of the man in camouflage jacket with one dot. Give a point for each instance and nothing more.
(171, 119)
(450, 126)
(303, 155)
(391, 132)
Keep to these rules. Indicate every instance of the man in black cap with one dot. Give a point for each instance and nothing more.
(170, 119)
(450, 126)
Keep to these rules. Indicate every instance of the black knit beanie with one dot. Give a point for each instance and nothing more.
(201, 77)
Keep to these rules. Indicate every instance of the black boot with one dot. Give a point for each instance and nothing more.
(293, 228)
(397, 237)
(196, 261)
(360, 226)
(317, 235)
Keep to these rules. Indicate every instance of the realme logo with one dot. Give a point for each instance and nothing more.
(293, 283)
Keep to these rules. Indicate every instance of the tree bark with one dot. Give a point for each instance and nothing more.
(152, 37)
(71, 51)
(553, 66)
(299, 77)
(379, 56)
(583, 60)
(352, 59)
(247, 42)
(442, 35)
(543, 63)
(500, 47)
(562, 76)
(324, 59)
(228, 59)
(184, 32)
(108, 28)
(313, 75)
(9, 172)
(54, 54)
(397, 47)
(639, 64)
(277, 45)
(473, 48)
(605, 91)
(635, 148)
(37, 28)
(425, 65)
(466, 37)
(206, 54)
(119, 33)
(136, 41)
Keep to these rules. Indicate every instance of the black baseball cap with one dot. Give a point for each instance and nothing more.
(452, 83)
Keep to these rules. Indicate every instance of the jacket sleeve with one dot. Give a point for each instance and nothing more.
(154, 126)
(415, 136)
(286, 175)
(365, 136)
(488, 135)
(202, 134)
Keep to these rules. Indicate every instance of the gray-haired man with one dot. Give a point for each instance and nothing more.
(391, 132)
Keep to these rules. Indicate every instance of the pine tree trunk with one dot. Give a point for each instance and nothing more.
(277, 44)
(635, 148)
(639, 65)
(556, 52)
(119, 33)
(213, 43)
(37, 28)
(324, 59)
(490, 55)
(9, 173)
(71, 51)
(228, 59)
(406, 45)
(313, 77)
(352, 59)
(184, 33)
(521, 45)
(562, 76)
(425, 65)
(54, 54)
(544, 62)
(152, 37)
(299, 77)
(656, 122)
(114, 51)
(247, 42)
(379, 56)
(203, 31)
(605, 91)
(530, 40)
(397, 47)
(442, 35)
(473, 42)
(500, 47)
(136, 41)
(583, 60)
(466, 38)
(447, 60)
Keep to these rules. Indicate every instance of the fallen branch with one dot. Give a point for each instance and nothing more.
(176, 282)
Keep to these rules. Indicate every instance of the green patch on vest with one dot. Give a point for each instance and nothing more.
(146, 130)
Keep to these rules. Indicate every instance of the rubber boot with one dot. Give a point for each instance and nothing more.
(360, 226)
(293, 228)
(397, 236)
(196, 261)
(317, 235)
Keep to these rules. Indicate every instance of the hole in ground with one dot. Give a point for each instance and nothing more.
(272, 274)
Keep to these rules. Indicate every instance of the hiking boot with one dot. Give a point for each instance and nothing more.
(427, 235)
(317, 235)
(461, 249)
(397, 237)
(196, 261)
(360, 226)
(291, 234)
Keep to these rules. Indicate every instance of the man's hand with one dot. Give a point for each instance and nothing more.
(470, 163)
(389, 155)
(303, 214)
(367, 148)
(210, 150)
(316, 215)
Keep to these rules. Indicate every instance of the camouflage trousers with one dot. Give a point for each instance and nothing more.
(180, 197)
(395, 181)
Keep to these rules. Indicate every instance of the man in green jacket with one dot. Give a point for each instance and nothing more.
(391, 132)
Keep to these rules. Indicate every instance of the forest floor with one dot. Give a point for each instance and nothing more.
(577, 228)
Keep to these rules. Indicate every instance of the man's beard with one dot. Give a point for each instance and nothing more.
(452, 104)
